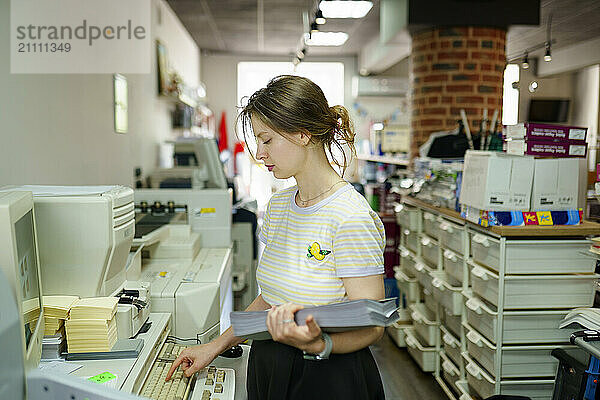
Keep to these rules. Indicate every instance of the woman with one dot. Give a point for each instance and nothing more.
(323, 244)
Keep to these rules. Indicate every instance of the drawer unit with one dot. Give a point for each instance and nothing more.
(451, 322)
(534, 291)
(431, 224)
(430, 250)
(452, 236)
(519, 326)
(485, 386)
(515, 361)
(410, 239)
(453, 266)
(450, 297)
(407, 286)
(450, 372)
(408, 217)
(407, 261)
(396, 332)
(533, 256)
(424, 356)
(451, 345)
(424, 275)
(424, 323)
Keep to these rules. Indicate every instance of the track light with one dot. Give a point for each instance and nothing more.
(525, 63)
(301, 53)
(319, 18)
(314, 27)
(547, 55)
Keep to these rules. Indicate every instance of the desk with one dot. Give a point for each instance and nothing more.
(128, 370)
(240, 365)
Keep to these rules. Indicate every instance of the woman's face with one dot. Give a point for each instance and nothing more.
(282, 156)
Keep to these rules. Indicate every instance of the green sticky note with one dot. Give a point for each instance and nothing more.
(102, 377)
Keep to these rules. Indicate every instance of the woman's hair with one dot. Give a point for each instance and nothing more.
(292, 104)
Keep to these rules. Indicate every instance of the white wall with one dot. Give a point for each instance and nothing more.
(559, 86)
(586, 96)
(58, 129)
(219, 73)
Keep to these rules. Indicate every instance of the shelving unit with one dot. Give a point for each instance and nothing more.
(384, 159)
(516, 284)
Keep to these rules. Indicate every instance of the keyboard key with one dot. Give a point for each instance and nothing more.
(218, 388)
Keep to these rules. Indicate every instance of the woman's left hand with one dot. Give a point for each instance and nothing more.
(283, 328)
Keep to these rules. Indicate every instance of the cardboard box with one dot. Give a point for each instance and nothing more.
(535, 131)
(555, 184)
(497, 181)
(547, 148)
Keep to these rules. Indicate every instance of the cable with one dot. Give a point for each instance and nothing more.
(175, 338)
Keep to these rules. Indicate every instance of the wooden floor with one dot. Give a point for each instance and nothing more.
(402, 377)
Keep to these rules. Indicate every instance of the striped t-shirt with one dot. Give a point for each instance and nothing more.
(308, 250)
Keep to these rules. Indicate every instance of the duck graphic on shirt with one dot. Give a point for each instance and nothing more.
(314, 250)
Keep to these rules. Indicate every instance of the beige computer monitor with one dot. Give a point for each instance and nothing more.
(19, 261)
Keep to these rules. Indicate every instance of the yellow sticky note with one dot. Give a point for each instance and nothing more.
(544, 218)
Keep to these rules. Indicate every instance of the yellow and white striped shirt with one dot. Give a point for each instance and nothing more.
(308, 250)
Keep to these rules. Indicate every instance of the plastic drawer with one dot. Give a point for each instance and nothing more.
(452, 236)
(453, 265)
(450, 297)
(424, 356)
(407, 285)
(533, 256)
(451, 322)
(516, 361)
(423, 275)
(463, 390)
(430, 250)
(409, 239)
(396, 332)
(424, 324)
(431, 224)
(485, 386)
(451, 345)
(534, 291)
(408, 217)
(429, 301)
(519, 326)
(450, 372)
(407, 261)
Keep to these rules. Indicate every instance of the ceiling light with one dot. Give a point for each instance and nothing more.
(533, 86)
(378, 126)
(325, 38)
(547, 56)
(319, 18)
(345, 8)
(525, 63)
(314, 27)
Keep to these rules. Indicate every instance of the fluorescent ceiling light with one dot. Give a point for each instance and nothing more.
(345, 8)
(325, 38)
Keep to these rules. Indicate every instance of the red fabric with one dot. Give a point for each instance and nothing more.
(223, 133)
(238, 148)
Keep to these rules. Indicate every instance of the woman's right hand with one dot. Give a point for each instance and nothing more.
(193, 359)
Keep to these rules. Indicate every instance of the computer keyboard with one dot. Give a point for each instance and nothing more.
(211, 383)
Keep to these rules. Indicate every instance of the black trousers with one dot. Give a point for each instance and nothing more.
(279, 372)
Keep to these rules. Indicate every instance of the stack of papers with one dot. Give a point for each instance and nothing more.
(52, 326)
(91, 326)
(336, 317)
(595, 247)
(53, 347)
(58, 307)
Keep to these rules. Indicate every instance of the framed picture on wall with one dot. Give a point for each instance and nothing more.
(162, 68)
(120, 100)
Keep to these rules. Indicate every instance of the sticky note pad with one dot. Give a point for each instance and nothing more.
(102, 377)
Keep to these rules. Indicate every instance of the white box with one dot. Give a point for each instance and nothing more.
(555, 184)
(494, 181)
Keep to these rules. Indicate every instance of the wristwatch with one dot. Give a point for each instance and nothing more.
(324, 355)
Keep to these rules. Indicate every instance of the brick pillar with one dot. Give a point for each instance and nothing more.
(454, 68)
